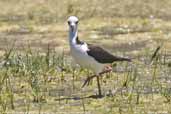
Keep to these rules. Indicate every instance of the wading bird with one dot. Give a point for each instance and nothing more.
(88, 55)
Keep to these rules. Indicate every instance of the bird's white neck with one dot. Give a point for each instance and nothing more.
(73, 37)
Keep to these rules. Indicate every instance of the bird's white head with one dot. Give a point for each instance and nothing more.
(73, 23)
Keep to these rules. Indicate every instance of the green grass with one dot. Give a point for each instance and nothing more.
(37, 74)
(46, 82)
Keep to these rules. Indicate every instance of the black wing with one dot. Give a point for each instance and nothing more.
(102, 56)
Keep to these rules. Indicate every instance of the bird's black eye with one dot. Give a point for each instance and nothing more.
(76, 22)
(69, 22)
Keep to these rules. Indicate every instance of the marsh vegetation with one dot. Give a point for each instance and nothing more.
(37, 74)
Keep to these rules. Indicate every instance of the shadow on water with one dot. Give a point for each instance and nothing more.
(79, 98)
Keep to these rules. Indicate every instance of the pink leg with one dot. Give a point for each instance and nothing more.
(91, 77)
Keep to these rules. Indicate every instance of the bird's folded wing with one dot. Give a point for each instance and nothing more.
(102, 56)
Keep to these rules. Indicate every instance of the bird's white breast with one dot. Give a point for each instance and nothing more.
(79, 53)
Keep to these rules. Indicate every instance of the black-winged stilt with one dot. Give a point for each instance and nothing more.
(88, 55)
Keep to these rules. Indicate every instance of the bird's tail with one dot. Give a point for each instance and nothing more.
(123, 59)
